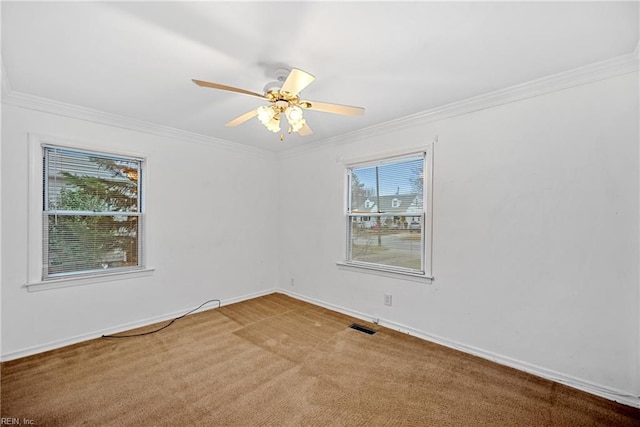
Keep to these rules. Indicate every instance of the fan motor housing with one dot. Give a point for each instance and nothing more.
(272, 86)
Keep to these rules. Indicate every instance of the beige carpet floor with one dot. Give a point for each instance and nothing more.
(277, 361)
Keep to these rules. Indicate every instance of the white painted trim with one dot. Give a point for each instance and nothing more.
(429, 208)
(34, 209)
(610, 68)
(87, 280)
(123, 327)
(37, 103)
(619, 396)
(425, 150)
(36, 141)
(378, 271)
(378, 156)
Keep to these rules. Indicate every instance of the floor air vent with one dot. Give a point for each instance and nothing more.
(362, 329)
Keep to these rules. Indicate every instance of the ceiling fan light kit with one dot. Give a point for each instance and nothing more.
(284, 99)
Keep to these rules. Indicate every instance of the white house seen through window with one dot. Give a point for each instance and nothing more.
(92, 215)
(386, 215)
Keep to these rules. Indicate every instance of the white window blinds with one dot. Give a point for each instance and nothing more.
(92, 216)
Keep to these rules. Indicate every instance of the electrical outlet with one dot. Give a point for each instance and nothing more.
(387, 299)
(292, 283)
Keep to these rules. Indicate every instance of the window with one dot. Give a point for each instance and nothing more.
(388, 225)
(91, 213)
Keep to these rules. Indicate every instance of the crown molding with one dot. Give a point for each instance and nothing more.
(590, 73)
(31, 102)
(602, 70)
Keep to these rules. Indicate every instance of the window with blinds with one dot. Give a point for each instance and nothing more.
(92, 214)
(386, 215)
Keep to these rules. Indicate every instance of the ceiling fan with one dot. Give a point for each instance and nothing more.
(283, 95)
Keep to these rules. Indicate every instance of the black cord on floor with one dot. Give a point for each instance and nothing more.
(165, 326)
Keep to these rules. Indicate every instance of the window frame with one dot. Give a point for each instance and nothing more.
(37, 215)
(424, 276)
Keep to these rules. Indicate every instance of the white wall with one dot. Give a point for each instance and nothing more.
(211, 216)
(535, 250)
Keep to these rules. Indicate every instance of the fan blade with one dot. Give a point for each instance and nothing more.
(243, 118)
(305, 130)
(333, 108)
(228, 88)
(296, 81)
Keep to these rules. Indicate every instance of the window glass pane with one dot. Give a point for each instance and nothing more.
(394, 241)
(82, 243)
(390, 187)
(88, 182)
(386, 213)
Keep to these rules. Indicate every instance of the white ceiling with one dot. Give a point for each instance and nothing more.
(137, 59)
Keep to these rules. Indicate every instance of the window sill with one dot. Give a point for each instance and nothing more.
(86, 280)
(414, 277)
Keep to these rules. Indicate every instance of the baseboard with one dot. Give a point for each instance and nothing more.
(124, 327)
(577, 383)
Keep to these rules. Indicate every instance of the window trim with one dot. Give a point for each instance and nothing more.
(35, 246)
(383, 158)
